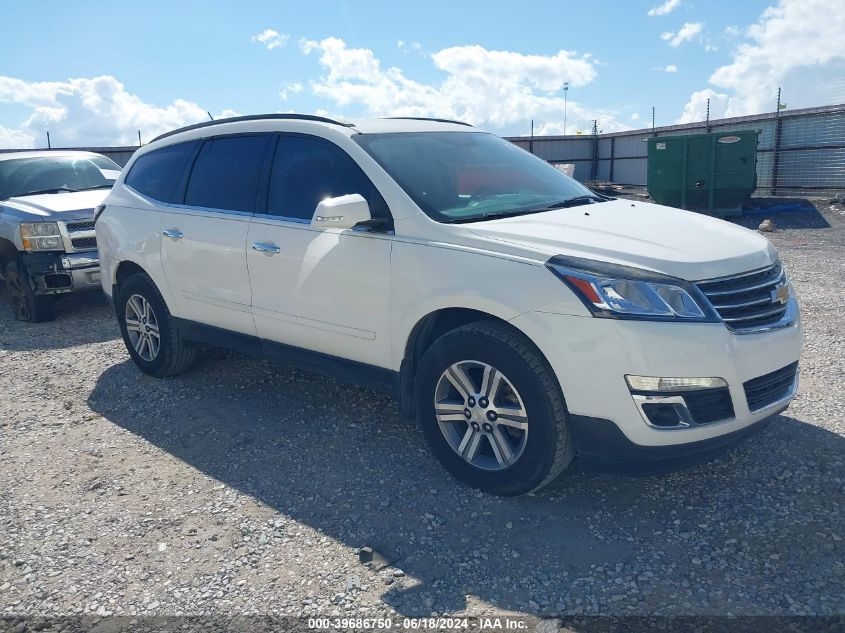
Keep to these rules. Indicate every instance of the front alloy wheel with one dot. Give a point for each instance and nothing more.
(479, 389)
(481, 415)
(142, 327)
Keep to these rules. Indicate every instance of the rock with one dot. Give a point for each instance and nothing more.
(767, 226)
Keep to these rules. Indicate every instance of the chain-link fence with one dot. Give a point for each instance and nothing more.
(799, 152)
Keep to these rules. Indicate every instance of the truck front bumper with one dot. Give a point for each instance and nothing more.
(59, 273)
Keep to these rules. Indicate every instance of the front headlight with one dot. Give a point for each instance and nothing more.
(41, 236)
(614, 291)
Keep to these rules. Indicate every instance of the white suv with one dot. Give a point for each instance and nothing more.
(521, 317)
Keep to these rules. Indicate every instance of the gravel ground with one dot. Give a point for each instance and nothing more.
(248, 488)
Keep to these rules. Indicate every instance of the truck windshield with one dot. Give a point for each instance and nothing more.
(471, 176)
(44, 174)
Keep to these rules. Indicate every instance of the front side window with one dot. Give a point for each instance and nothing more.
(227, 172)
(156, 173)
(55, 174)
(470, 176)
(309, 169)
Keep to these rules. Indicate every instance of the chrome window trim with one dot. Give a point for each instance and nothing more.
(207, 210)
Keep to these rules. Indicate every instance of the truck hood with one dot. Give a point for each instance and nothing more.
(72, 205)
(671, 241)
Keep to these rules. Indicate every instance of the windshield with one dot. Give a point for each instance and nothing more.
(22, 176)
(468, 176)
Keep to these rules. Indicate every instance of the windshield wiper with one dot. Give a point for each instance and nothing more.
(492, 215)
(94, 187)
(38, 192)
(576, 201)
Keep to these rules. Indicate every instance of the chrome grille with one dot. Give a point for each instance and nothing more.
(78, 235)
(750, 300)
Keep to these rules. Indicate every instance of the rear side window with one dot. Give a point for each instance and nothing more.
(308, 169)
(156, 174)
(226, 173)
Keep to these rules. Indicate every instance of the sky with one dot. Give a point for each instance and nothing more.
(96, 73)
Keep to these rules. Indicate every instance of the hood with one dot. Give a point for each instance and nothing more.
(71, 205)
(680, 243)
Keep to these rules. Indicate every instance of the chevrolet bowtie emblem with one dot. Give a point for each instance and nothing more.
(780, 294)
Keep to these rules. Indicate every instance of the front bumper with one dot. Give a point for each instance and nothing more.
(591, 356)
(60, 273)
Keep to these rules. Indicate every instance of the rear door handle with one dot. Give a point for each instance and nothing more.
(263, 247)
(173, 234)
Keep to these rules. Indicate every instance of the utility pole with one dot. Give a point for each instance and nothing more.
(531, 142)
(139, 138)
(565, 93)
(707, 122)
(776, 148)
(652, 121)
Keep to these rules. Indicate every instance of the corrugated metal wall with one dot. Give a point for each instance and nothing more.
(799, 151)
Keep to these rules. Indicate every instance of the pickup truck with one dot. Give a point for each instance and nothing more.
(48, 246)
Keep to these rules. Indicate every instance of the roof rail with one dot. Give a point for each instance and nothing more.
(425, 118)
(252, 117)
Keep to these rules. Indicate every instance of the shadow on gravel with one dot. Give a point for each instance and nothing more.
(721, 536)
(786, 213)
(92, 322)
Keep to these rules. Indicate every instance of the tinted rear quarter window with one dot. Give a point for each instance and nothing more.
(227, 172)
(308, 169)
(156, 174)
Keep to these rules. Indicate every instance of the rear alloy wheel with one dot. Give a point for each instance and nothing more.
(491, 409)
(148, 330)
(27, 305)
(142, 328)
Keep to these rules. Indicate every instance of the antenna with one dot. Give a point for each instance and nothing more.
(210, 118)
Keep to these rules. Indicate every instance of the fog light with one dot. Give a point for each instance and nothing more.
(655, 383)
(666, 416)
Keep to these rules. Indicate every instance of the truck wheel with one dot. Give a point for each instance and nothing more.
(148, 331)
(27, 305)
(492, 411)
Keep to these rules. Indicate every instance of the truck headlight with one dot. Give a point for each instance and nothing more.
(623, 292)
(41, 236)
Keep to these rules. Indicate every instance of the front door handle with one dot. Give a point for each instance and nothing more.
(172, 234)
(263, 247)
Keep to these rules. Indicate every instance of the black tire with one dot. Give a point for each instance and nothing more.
(26, 305)
(548, 447)
(174, 354)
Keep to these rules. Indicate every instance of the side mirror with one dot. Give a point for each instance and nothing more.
(342, 212)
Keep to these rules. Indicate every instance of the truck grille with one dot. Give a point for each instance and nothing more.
(83, 243)
(79, 226)
(79, 235)
(765, 390)
(750, 300)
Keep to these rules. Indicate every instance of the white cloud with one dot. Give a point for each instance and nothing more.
(481, 86)
(288, 89)
(635, 116)
(732, 30)
(687, 32)
(671, 68)
(663, 9)
(798, 45)
(696, 108)
(271, 39)
(90, 111)
(406, 47)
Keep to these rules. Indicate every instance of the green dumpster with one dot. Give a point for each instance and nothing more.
(704, 172)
